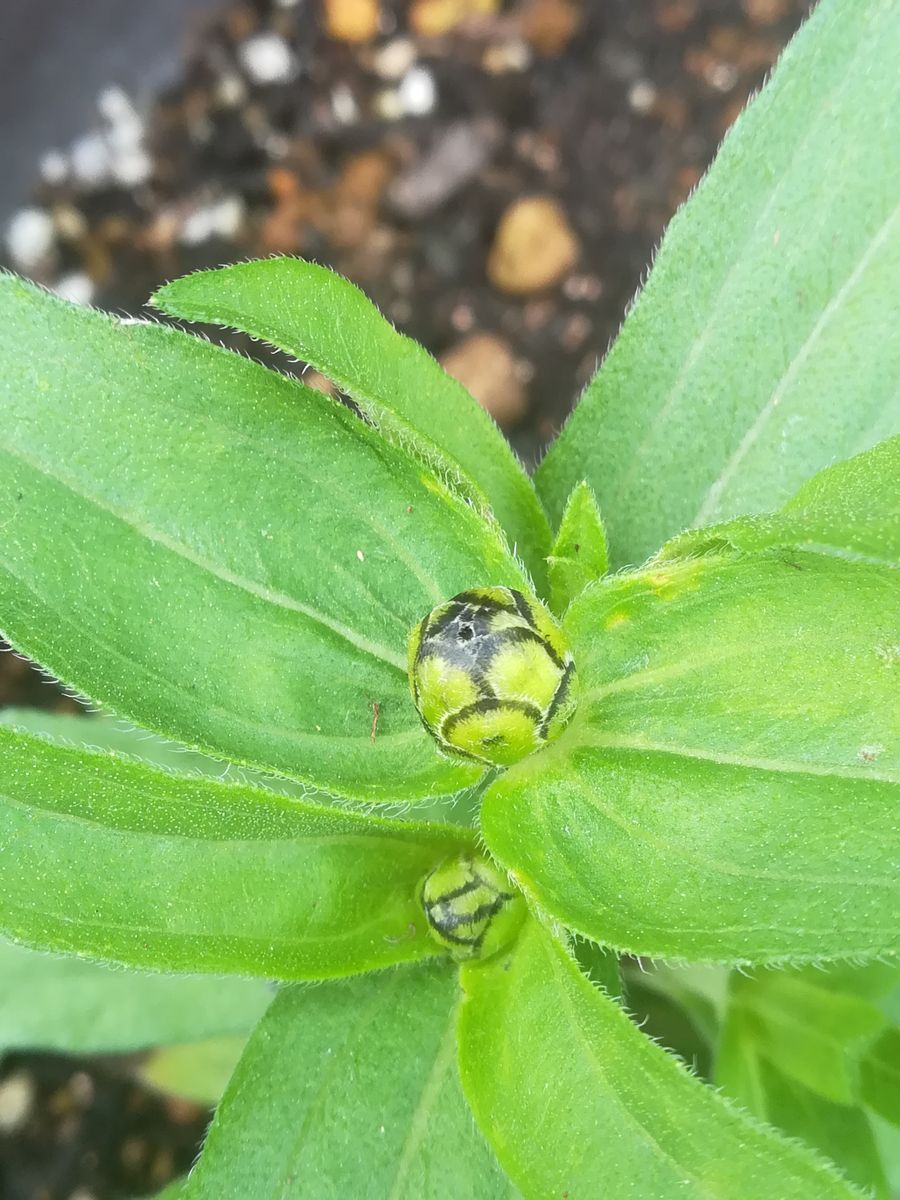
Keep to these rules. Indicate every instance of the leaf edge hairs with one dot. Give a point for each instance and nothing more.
(491, 675)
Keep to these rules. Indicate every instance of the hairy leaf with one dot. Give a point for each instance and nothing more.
(325, 320)
(670, 1023)
(763, 346)
(601, 965)
(727, 789)
(576, 1100)
(841, 1132)
(104, 732)
(233, 559)
(579, 554)
(112, 859)
(82, 1008)
(350, 1090)
(851, 509)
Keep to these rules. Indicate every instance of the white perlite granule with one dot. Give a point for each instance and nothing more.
(267, 58)
(29, 237)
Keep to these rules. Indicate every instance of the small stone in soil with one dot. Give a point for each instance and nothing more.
(484, 364)
(433, 18)
(417, 92)
(17, 1094)
(394, 59)
(455, 158)
(534, 247)
(352, 21)
(76, 287)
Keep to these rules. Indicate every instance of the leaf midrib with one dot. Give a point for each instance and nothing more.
(725, 286)
(289, 733)
(218, 940)
(713, 494)
(749, 762)
(218, 571)
(323, 1085)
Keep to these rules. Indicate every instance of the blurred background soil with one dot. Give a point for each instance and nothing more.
(496, 175)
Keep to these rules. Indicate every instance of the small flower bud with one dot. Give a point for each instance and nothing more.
(471, 908)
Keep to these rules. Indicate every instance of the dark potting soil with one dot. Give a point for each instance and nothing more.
(84, 1129)
(400, 160)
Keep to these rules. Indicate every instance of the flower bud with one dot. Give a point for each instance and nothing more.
(491, 675)
(471, 908)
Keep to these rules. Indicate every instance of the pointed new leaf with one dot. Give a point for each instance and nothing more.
(317, 316)
(851, 509)
(577, 1101)
(727, 789)
(579, 554)
(233, 560)
(764, 345)
(83, 1008)
(351, 1090)
(112, 859)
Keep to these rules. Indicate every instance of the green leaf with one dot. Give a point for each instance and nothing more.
(198, 1071)
(104, 732)
(763, 346)
(682, 1007)
(665, 1019)
(841, 1132)
(233, 560)
(574, 1099)
(812, 1034)
(601, 965)
(83, 1008)
(726, 790)
(880, 1076)
(317, 316)
(701, 992)
(851, 509)
(578, 556)
(350, 1090)
(112, 859)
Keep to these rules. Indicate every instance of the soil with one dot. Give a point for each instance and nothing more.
(84, 1130)
(402, 160)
